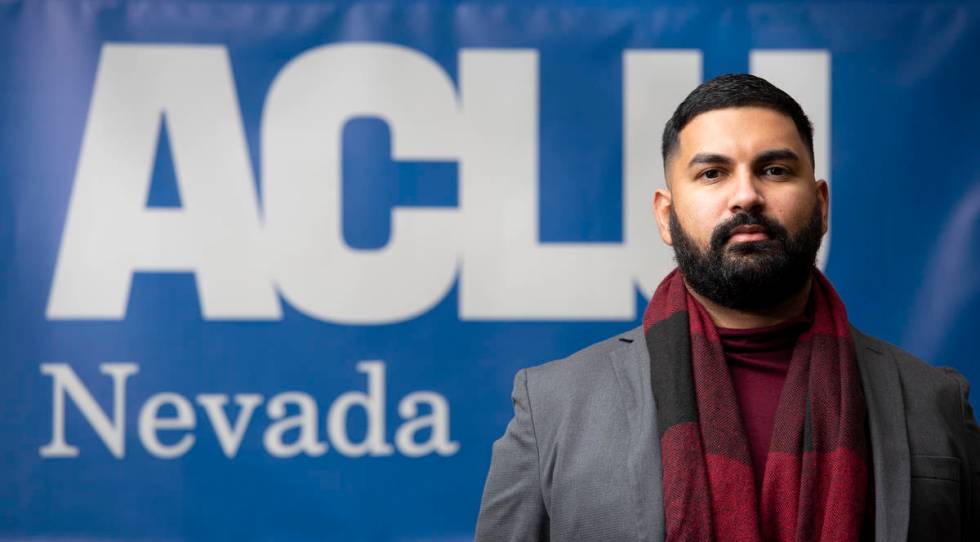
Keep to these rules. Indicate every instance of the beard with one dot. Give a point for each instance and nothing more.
(750, 275)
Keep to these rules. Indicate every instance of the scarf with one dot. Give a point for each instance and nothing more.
(816, 476)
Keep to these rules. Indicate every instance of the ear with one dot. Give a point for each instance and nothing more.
(823, 195)
(662, 200)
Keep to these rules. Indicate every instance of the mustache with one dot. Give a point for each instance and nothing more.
(722, 232)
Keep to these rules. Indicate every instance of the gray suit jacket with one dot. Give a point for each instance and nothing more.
(580, 460)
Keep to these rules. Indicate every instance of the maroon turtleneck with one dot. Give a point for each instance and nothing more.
(758, 360)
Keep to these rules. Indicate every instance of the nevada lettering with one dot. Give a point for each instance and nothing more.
(422, 412)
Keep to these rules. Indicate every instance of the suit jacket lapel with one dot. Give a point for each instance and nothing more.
(889, 439)
(632, 366)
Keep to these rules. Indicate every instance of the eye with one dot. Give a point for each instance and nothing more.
(711, 174)
(776, 171)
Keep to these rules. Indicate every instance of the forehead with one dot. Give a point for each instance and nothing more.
(738, 133)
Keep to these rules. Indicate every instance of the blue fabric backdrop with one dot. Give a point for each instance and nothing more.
(145, 347)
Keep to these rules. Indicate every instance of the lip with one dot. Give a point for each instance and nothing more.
(748, 233)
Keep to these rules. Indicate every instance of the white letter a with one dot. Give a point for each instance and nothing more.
(110, 234)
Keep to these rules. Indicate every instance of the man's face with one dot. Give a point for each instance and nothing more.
(744, 213)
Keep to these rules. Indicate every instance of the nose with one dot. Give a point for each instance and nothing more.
(746, 194)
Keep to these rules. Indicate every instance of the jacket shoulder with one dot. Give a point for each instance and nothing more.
(910, 367)
(580, 384)
(587, 363)
(933, 397)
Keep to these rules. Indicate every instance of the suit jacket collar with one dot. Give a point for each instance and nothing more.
(889, 438)
(886, 420)
(631, 363)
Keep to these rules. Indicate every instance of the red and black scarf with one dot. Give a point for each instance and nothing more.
(816, 475)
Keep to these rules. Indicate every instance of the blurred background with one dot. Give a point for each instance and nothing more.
(269, 267)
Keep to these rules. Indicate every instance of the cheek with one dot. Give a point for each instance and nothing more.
(793, 212)
(698, 221)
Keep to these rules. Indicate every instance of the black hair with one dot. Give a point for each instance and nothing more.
(735, 90)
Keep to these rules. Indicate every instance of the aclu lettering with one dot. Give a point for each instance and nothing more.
(230, 433)
(245, 256)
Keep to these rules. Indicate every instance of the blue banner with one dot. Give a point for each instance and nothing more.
(269, 267)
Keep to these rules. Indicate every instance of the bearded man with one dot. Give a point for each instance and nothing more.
(746, 407)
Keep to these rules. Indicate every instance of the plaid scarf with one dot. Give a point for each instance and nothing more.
(816, 475)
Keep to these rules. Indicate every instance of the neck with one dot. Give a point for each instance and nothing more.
(768, 316)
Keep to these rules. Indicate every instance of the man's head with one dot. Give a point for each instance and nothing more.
(734, 90)
(743, 209)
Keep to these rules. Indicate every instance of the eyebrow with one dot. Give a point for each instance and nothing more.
(774, 155)
(709, 158)
(765, 156)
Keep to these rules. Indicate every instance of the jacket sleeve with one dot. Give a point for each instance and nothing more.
(972, 432)
(512, 507)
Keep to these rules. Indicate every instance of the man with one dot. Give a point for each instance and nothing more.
(746, 407)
